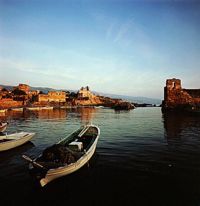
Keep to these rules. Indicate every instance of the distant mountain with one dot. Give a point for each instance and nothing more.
(43, 89)
(7, 87)
(139, 100)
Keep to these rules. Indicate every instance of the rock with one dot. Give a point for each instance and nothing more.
(123, 106)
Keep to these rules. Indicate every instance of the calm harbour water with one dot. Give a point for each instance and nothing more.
(142, 158)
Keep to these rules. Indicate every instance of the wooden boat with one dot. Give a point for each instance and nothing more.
(45, 108)
(17, 109)
(39, 108)
(33, 108)
(3, 110)
(3, 126)
(14, 140)
(79, 147)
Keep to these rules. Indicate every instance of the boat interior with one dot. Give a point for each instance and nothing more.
(68, 150)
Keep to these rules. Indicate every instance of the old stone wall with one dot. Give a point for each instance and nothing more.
(9, 103)
(92, 101)
(85, 93)
(23, 87)
(57, 96)
(52, 97)
(175, 96)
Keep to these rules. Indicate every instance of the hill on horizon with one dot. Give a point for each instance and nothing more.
(137, 99)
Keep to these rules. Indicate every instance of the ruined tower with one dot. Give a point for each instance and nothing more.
(175, 97)
(173, 86)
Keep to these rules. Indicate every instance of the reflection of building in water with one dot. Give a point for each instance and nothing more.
(86, 114)
(52, 114)
(176, 124)
(40, 114)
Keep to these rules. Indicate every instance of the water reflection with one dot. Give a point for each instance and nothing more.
(85, 114)
(176, 125)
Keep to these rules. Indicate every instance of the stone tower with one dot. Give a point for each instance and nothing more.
(175, 96)
(172, 86)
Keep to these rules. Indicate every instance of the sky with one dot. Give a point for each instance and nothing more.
(125, 47)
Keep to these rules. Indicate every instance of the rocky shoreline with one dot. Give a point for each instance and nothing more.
(22, 98)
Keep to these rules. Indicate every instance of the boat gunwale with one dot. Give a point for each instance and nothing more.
(76, 164)
(26, 135)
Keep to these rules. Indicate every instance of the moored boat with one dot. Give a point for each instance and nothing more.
(33, 108)
(47, 107)
(3, 126)
(3, 110)
(66, 156)
(10, 141)
(17, 109)
(39, 108)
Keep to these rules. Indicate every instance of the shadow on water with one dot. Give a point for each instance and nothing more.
(182, 129)
(15, 151)
(11, 161)
(176, 124)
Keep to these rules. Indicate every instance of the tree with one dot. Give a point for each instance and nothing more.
(4, 90)
(73, 95)
(18, 92)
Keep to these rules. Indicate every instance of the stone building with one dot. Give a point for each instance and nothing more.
(7, 103)
(23, 87)
(52, 96)
(85, 93)
(85, 98)
(175, 97)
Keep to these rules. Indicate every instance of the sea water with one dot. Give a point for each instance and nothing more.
(142, 158)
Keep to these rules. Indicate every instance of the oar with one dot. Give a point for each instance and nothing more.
(33, 162)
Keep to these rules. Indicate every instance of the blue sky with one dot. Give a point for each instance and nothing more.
(114, 46)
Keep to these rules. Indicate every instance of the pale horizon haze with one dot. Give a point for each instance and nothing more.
(124, 47)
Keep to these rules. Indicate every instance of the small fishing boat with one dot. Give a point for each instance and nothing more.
(10, 141)
(33, 108)
(3, 126)
(3, 111)
(99, 107)
(17, 109)
(46, 108)
(66, 156)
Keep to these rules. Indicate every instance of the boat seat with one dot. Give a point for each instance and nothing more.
(76, 146)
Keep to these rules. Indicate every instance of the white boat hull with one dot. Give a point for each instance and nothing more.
(3, 127)
(53, 174)
(17, 109)
(66, 169)
(3, 111)
(15, 140)
(33, 108)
